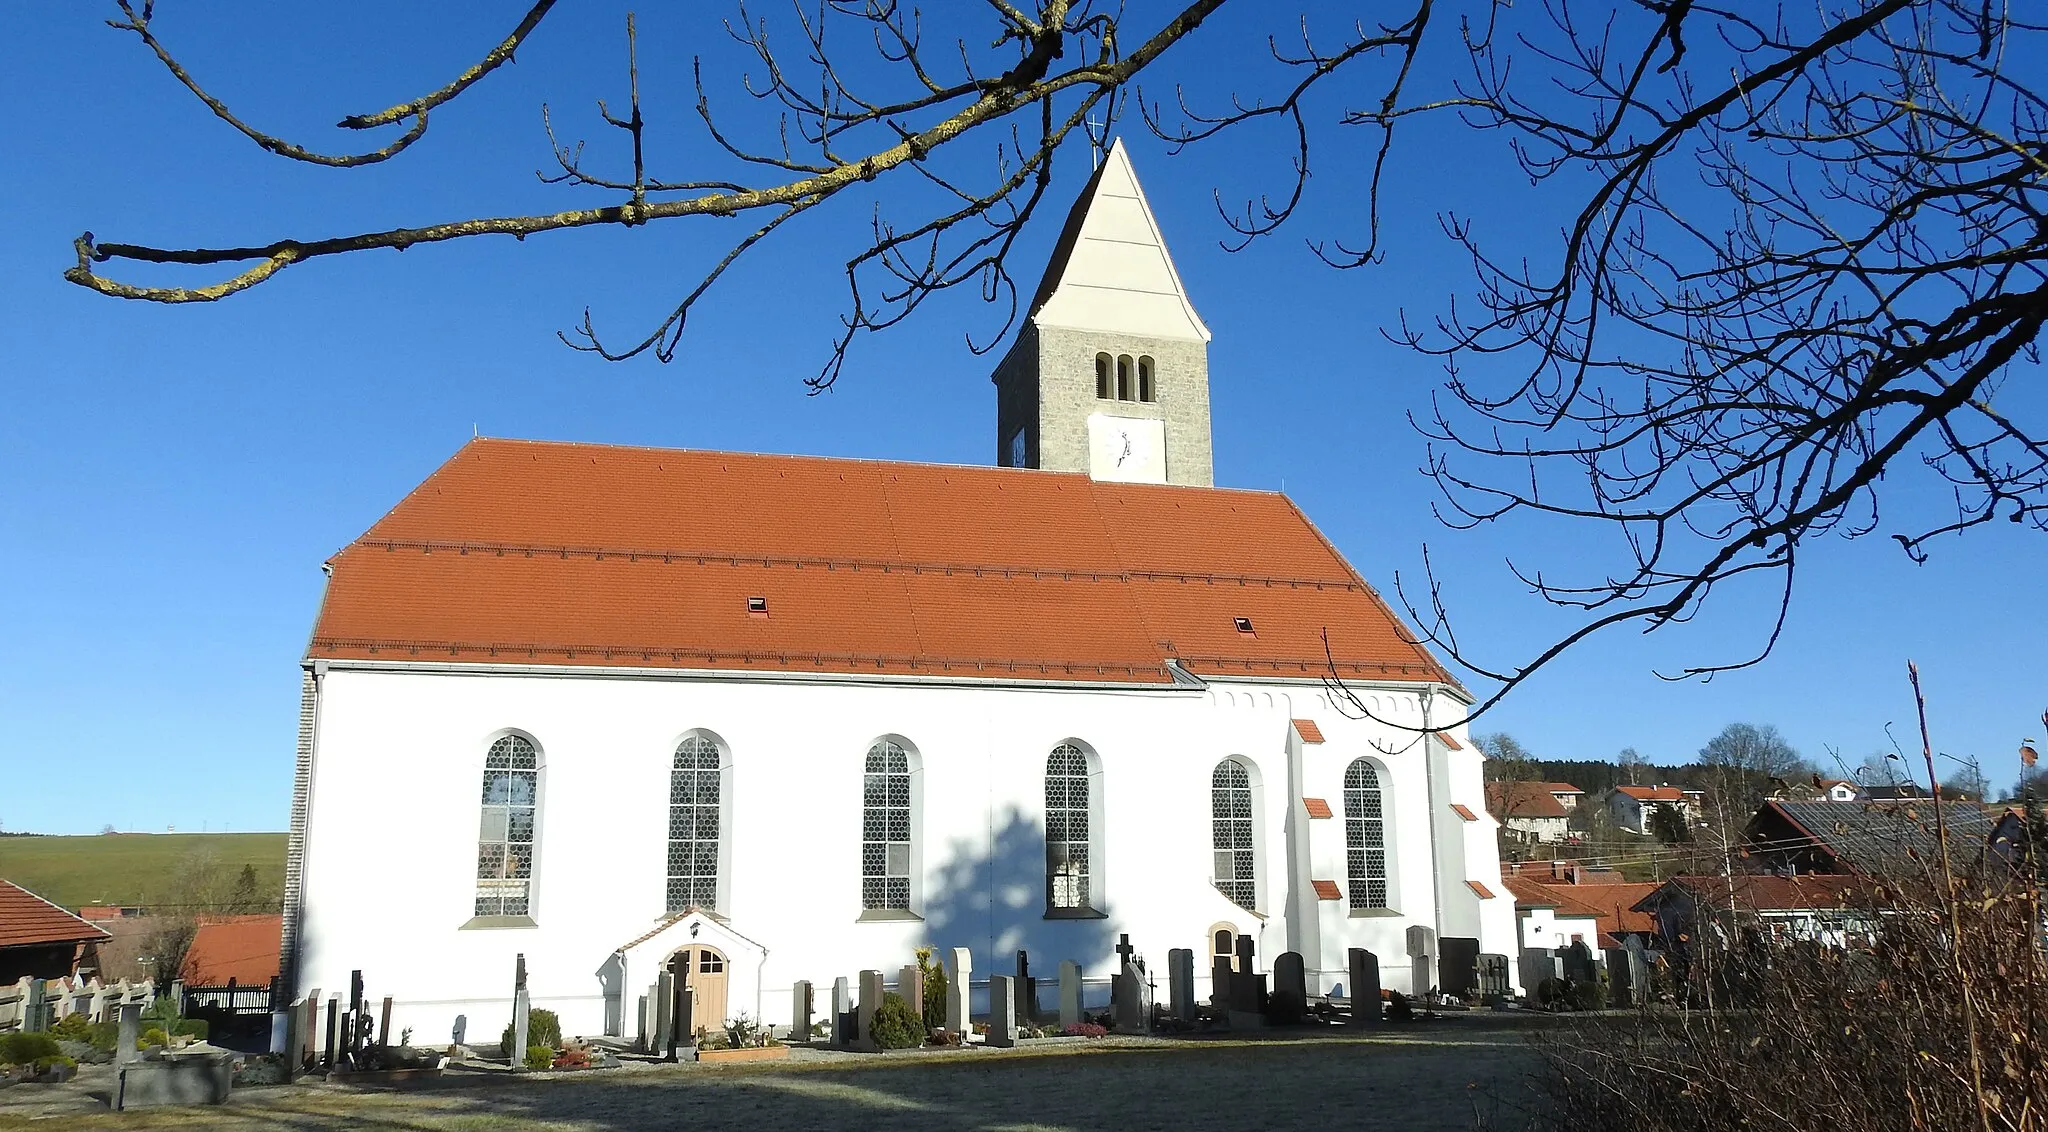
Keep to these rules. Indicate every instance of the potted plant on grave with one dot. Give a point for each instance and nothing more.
(742, 1039)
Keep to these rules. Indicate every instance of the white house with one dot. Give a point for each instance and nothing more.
(1533, 811)
(1635, 807)
(755, 719)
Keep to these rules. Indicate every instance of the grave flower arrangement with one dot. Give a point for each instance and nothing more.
(1085, 1030)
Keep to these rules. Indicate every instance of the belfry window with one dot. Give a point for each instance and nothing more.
(1232, 834)
(506, 839)
(1125, 390)
(1365, 836)
(1104, 384)
(1148, 391)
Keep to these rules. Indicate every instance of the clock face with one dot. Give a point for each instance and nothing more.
(1126, 449)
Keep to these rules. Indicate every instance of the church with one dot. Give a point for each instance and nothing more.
(755, 719)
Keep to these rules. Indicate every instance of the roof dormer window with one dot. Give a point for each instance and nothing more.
(1244, 625)
(757, 607)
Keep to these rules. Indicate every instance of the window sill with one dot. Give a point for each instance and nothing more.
(1375, 913)
(888, 915)
(1075, 914)
(481, 923)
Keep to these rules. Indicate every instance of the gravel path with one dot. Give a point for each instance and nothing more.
(1454, 1078)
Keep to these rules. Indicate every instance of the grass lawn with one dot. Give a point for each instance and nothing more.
(130, 868)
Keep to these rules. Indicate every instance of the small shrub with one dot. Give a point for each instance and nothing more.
(153, 1037)
(104, 1036)
(26, 1048)
(1582, 996)
(895, 1026)
(540, 1057)
(543, 1028)
(933, 975)
(161, 1009)
(72, 1028)
(54, 1061)
(191, 1028)
(1398, 1009)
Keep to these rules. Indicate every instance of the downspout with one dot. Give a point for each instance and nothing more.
(1436, 879)
(760, 972)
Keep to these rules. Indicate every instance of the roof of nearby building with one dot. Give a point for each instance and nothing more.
(1761, 892)
(1523, 800)
(1562, 788)
(1887, 837)
(1527, 893)
(1610, 906)
(1652, 793)
(28, 920)
(242, 949)
(524, 552)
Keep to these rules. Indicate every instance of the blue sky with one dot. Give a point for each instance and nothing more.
(173, 477)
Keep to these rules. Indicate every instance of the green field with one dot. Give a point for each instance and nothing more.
(131, 868)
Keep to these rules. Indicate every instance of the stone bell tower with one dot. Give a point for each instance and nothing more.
(1110, 372)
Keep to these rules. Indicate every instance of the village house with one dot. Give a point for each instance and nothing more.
(1634, 808)
(1533, 811)
(1554, 910)
(1834, 910)
(750, 719)
(1875, 839)
(39, 940)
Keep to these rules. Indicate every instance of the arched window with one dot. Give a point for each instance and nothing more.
(1104, 383)
(1147, 390)
(1365, 836)
(506, 840)
(1223, 945)
(1230, 812)
(1124, 390)
(696, 810)
(1069, 832)
(887, 857)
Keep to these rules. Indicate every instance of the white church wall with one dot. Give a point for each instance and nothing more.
(393, 824)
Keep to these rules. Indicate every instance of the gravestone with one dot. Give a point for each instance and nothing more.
(1070, 993)
(1620, 990)
(1494, 983)
(1133, 1005)
(842, 1015)
(1180, 983)
(1290, 977)
(1002, 1011)
(1365, 987)
(294, 1049)
(38, 1005)
(686, 1016)
(800, 1011)
(461, 1031)
(1457, 965)
(1026, 995)
(1219, 982)
(956, 990)
(1421, 958)
(130, 1032)
(309, 1053)
(662, 1040)
(870, 1001)
(910, 984)
(521, 1005)
(1538, 964)
(1247, 990)
(1578, 963)
(333, 1047)
(1639, 967)
(384, 1024)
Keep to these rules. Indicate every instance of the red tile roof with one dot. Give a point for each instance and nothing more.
(1449, 741)
(1317, 807)
(28, 920)
(1528, 893)
(1762, 893)
(1484, 892)
(1307, 729)
(241, 948)
(1612, 907)
(1653, 793)
(518, 552)
(1327, 890)
(1463, 812)
(1523, 800)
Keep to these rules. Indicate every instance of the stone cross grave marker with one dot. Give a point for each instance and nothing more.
(870, 1001)
(1180, 983)
(1364, 971)
(1494, 983)
(956, 990)
(842, 1010)
(910, 984)
(1290, 977)
(1247, 989)
(1070, 993)
(800, 1011)
(1002, 1011)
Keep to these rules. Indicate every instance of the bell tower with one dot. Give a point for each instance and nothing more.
(1109, 374)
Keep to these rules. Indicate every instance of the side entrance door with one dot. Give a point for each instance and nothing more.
(702, 969)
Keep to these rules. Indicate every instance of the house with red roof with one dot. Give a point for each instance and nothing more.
(1533, 811)
(40, 940)
(751, 719)
(1634, 808)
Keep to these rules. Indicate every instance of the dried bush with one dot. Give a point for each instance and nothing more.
(1933, 1016)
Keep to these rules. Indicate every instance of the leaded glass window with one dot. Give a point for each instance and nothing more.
(505, 843)
(885, 828)
(1066, 828)
(694, 812)
(1365, 836)
(1230, 812)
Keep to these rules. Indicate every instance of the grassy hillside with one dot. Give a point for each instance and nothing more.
(132, 868)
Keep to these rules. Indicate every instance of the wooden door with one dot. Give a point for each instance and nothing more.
(702, 969)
